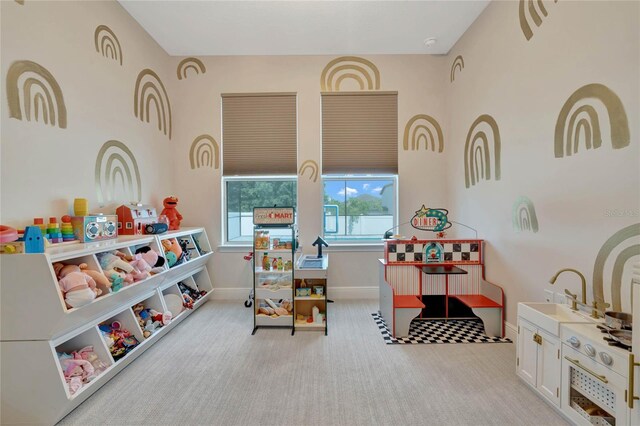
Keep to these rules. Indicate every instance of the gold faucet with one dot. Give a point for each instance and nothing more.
(584, 282)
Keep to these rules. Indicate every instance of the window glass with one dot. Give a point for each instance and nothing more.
(358, 208)
(242, 195)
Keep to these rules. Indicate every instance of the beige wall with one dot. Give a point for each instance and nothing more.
(421, 84)
(43, 167)
(580, 200)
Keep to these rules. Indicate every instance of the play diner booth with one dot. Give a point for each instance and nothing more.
(437, 280)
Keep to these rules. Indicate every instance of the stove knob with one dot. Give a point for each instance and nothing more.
(574, 341)
(606, 358)
(589, 350)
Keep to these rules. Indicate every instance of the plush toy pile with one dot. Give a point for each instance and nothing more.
(122, 269)
(119, 340)
(80, 367)
(150, 320)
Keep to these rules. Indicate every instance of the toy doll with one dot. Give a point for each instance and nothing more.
(78, 288)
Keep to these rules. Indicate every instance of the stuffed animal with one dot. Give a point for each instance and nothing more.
(170, 211)
(101, 279)
(117, 270)
(152, 258)
(78, 288)
(172, 251)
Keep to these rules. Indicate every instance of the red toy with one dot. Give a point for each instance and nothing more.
(132, 218)
(170, 204)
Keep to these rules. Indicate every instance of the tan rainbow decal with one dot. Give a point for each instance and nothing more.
(190, 63)
(628, 235)
(204, 152)
(425, 128)
(107, 43)
(364, 72)
(312, 166)
(38, 88)
(477, 158)
(116, 164)
(458, 64)
(149, 88)
(524, 215)
(20, 2)
(530, 7)
(585, 118)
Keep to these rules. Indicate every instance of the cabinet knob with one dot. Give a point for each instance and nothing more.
(574, 341)
(589, 350)
(606, 358)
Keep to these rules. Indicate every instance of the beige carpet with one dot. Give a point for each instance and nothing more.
(209, 370)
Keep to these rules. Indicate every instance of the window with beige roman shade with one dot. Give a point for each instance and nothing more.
(359, 132)
(259, 134)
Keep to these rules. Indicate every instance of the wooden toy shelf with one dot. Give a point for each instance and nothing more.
(35, 324)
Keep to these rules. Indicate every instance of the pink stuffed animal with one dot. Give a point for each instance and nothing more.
(78, 288)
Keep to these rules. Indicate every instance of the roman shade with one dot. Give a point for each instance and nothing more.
(259, 134)
(359, 132)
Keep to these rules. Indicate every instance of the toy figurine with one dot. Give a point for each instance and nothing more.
(170, 211)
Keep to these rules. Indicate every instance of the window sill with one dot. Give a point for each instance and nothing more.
(354, 247)
(235, 248)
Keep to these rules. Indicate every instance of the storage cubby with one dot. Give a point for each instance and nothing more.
(123, 324)
(173, 300)
(201, 242)
(147, 326)
(89, 338)
(35, 324)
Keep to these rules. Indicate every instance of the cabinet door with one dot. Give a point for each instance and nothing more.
(527, 353)
(548, 377)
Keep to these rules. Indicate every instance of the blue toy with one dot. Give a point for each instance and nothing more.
(33, 240)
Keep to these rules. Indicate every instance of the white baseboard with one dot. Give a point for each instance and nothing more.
(510, 332)
(335, 293)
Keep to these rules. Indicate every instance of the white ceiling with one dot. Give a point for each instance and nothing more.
(186, 28)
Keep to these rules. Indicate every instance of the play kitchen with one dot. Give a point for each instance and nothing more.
(582, 358)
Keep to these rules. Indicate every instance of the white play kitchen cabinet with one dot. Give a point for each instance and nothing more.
(538, 361)
(39, 331)
(561, 354)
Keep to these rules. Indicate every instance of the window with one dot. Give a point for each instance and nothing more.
(359, 208)
(243, 194)
(259, 137)
(359, 164)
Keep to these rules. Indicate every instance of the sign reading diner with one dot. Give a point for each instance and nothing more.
(273, 215)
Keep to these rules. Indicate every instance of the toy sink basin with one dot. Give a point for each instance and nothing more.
(310, 261)
(549, 316)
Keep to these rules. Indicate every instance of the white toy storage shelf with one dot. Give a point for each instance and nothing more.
(35, 323)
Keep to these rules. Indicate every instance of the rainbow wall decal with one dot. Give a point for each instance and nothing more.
(629, 238)
(193, 63)
(585, 118)
(364, 72)
(524, 215)
(458, 63)
(312, 166)
(39, 89)
(117, 175)
(149, 88)
(204, 152)
(20, 2)
(530, 7)
(477, 156)
(426, 128)
(107, 43)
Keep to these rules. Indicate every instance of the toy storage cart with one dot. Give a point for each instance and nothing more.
(273, 286)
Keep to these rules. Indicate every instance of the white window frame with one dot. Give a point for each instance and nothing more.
(364, 177)
(225, 217)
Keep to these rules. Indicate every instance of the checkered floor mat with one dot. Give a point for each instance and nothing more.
(439, 331)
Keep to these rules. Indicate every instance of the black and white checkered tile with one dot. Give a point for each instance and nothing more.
(439, 331)
(453, 252)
